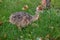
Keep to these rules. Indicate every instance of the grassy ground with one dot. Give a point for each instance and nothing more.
(56, 3)
(48, 23)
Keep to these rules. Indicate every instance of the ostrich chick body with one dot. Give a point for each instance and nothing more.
(21, 19)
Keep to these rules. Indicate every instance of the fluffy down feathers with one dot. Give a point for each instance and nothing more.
(20, 18)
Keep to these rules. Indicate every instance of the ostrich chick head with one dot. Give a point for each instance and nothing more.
(39, 9)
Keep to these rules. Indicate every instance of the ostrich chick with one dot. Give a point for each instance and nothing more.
(21, 19)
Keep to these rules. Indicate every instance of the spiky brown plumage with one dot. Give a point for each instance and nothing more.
(21, 19)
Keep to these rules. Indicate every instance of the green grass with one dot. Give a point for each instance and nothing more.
(40, 28)
(56, 3)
